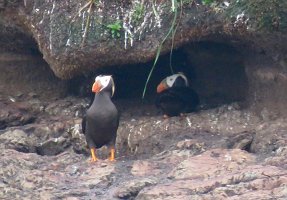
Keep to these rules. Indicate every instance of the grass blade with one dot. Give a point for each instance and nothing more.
(171, 31)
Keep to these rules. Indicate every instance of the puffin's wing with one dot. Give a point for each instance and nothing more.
(167, 96)
(84, 125)
(189, 96)
(84, 118)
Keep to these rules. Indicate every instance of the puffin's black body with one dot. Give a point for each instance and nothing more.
(177, 100)
(102, 120)
(175, 97)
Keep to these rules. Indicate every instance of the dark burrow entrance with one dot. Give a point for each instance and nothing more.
(216, 72)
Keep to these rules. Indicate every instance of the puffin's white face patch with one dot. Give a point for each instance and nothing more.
(171, 79)
(105, 80)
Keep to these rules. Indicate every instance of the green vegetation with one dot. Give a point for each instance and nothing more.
(115, 29)
(207, 2)
(265, 15)
(138, 13)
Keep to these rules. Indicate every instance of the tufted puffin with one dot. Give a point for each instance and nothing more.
(175, 97)
(101, 121)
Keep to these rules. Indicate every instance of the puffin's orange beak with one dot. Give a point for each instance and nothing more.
(96, 87)
(161, 87)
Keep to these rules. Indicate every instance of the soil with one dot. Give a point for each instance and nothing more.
(222, 151)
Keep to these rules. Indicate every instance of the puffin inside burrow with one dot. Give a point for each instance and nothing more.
(101, 121)
(175, 97)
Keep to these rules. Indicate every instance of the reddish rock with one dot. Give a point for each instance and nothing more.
(132, 188)
(178, 158)
(145, 168)
(212, 163)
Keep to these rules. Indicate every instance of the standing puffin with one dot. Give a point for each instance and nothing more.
(175, 97)
(101, 121)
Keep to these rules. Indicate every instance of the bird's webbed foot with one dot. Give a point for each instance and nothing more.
(93, 154)
(112, 154)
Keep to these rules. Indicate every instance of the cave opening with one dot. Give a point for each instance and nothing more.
(216, 72)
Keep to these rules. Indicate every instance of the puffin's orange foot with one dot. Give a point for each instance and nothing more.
(92, 160)
(112, 157)
(93, 153)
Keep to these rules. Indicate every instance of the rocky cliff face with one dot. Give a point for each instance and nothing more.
(234, 52)
(80, 36)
